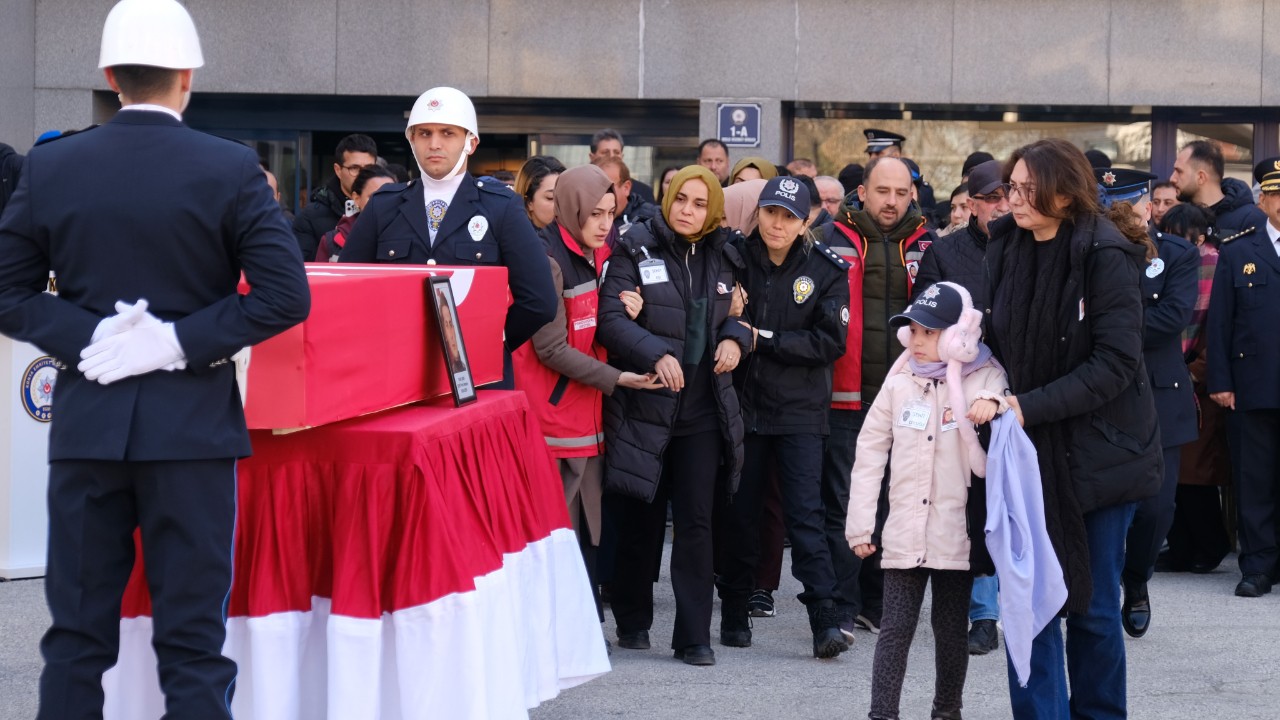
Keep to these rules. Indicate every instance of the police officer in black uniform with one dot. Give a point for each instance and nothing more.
(147, 419)
(1244, 352)
(450, 218)
(1169, 290)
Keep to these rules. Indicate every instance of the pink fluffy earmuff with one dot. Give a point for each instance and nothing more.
(957, 345)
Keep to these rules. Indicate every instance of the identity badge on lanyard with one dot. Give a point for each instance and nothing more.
(652, 270)
(915, 414)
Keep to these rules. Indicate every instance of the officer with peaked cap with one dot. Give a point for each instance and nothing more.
(147, 420)
(1244, 352)
(883, 142)
(450, 218)
(1170, 286)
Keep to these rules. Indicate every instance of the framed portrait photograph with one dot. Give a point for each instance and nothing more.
(445, 310)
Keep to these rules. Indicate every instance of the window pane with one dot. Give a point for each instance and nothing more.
(1235, 140)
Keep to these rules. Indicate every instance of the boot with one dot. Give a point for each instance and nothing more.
(735, 622)
(824, 620)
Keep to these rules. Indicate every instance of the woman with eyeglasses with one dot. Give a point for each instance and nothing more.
(1067, 324)
(536, 185)
(671, 442)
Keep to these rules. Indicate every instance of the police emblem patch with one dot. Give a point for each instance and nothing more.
(478, 227)
(788, 186)
(37, 388)
(932, 292)
(802, 288)
(1250, 268)
(1108, 179)
(844, 314)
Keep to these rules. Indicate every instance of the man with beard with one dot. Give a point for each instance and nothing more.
(882, 237)
(1197, 173)
(1164, 196)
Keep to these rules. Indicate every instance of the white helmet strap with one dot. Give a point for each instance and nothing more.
(457, 168)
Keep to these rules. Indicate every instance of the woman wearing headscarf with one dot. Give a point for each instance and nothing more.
(670, 443)
(752, 168)
(562, 370)
(1067, 324)
(740, 205)
(799, 316)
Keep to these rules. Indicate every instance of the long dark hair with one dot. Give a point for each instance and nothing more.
(657, 185)
(1190, 221)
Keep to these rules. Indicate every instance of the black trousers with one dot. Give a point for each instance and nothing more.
(837, 468)
(1151, 523)
(798, 459)
(689, 469)
(186, 511)
(1254, 436)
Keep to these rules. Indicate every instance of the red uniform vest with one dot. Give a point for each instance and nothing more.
(569, 411)
(846, 387)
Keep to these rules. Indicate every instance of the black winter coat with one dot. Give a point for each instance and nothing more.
(638, 423)
(785, 385)
(325, 208)
(1115, 453)
(956, 258)
(1236, 212)
(10, 169)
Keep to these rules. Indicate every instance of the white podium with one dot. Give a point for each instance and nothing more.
(27, 393)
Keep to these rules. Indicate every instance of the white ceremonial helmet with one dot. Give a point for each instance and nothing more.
(157, 33)
(443, 105)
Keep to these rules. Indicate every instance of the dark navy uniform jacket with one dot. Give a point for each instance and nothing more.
(393, 228)
(1244, 335)
(145, 207)
(1168, 299)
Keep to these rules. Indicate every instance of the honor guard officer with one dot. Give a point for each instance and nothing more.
(882, 143)
(147, 419)
(1170, 286)
(451, 218)
(1244, 352)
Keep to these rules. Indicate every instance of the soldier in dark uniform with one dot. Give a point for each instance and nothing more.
(1244, 352)
(450, 218)
(1169, 290)
(148, 421)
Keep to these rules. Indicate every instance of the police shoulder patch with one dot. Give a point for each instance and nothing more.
(831, 255)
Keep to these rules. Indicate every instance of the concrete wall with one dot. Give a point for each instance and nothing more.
(17, 73)
(1060, 52)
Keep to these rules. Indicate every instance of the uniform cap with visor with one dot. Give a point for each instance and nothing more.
(155, 33)
(786, 192)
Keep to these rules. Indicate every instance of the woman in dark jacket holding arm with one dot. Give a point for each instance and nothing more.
(798, 294)
(1067, 324)
(670, 442)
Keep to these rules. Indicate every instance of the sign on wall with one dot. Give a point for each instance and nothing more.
(738, 124)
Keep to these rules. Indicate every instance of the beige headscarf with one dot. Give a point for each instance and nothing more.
(740, 205)
(578, 191)
(715, 198)
(768, 170)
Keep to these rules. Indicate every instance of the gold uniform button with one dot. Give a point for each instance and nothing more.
(1250, 284)
(432, 261)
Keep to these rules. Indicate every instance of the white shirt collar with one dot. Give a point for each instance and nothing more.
(148, 107)
(1274, 234)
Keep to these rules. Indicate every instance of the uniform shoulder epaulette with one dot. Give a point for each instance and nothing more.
(1229, 238)
(43, 140)
(497, 188)
(831, 255)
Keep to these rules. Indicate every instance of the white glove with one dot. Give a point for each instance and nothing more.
(127, 316)
(136, 351)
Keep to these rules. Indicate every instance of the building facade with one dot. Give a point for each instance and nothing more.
(1134, 78)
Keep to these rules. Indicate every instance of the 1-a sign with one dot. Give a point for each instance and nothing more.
(738, 124)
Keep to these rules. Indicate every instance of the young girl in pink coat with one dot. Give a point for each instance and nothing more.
(943, 385)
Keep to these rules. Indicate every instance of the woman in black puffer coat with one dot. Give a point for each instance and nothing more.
(670, 443)
(1067, 323)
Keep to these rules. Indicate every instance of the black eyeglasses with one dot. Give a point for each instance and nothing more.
(1026, 190)
(989, 199)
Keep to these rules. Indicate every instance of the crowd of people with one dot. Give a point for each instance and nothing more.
(752, 352)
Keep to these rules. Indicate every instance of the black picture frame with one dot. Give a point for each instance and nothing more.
(453, 349)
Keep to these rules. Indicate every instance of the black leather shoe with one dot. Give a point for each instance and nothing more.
(735, 623)
(1253, 585)
(983, 637)
(1135, 613)
(824, 621)
(638, 640)
(696, 655)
